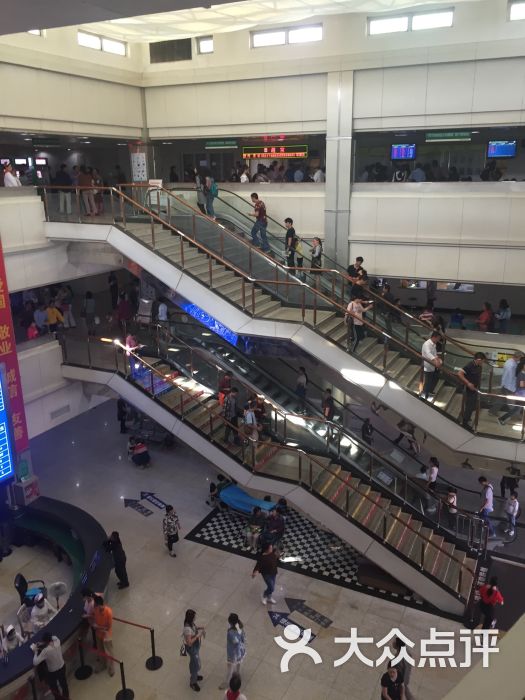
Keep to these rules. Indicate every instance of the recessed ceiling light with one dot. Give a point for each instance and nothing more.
(167, 143)
(87, 141)
(122, 144)
(28, 139)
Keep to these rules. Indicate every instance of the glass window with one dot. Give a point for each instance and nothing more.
(205, 44)
(304, 34)
(113, 46)
(432, 20)
(90, 41)
(388, 25)
(517, 10)
(36, 32)
(268, 38)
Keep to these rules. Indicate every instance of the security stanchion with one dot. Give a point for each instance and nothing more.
(124, 693)
(32, 684)
(154, 662)
(84, 671)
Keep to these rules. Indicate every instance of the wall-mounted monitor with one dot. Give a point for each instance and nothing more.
(7, 466)
(403, 151)
(20, 161)
(40, 161)
(501, 149)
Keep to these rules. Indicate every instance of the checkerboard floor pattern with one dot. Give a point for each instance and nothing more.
(310, 550)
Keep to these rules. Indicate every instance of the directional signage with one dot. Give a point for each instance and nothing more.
(137, 505)
(151, 498)
(282, 619)
(297, 605)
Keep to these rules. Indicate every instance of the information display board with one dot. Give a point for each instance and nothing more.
(7, 468)
(275, 152)
(501, 149)
(403, 151)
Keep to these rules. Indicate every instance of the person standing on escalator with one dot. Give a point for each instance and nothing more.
(289, 242)
(261, 223)
(199, 186)
(211, 191)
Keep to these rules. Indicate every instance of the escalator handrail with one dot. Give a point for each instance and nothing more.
(262, 282)
(340, 270)
(341, 429)
(417, 533)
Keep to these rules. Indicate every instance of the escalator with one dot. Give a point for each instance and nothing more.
(294, 459)
(254, 294)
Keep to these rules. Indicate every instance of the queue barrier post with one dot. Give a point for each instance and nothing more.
(32, 685)
(84, 671)
(154, 662)
(124, 693)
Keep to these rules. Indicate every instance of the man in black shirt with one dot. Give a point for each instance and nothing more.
(392, 687)
(289, 242)
(358, 278)
(328, 408)
(355, 270)
(470, 375)
(267, 566)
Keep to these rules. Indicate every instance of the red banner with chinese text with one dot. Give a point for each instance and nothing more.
(9, 359)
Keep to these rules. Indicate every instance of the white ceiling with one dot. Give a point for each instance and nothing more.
(21, 15)
(234, 16)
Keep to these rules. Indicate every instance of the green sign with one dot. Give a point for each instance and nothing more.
(448, 136)
(218, 145)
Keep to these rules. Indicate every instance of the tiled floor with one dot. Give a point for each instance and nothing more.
(84, 462)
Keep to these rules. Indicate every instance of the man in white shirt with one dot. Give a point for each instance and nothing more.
(162, 314)
(487, 503)
(509, 385)
(10, 178)
(319, 175)
(49, 650)
(431, 364)
(12, 639)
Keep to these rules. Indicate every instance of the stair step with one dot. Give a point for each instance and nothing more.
(444, 397)
(399, 366)
(329, 325)
(264, 308)
(454, 406)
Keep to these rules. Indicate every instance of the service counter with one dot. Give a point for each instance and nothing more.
(76, 533)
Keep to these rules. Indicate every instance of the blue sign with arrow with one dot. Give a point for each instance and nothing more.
(282, 619)
(136, 505)
(151, 498)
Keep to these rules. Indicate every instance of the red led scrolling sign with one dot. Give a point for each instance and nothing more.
(270, 152)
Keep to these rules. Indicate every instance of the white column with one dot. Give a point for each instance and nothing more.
(338, 164)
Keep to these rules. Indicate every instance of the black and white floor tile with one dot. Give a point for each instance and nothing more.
(307, 550)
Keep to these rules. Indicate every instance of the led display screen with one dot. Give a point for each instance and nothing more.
(6, 450)
(272, 152)
(501, 149)
(403, 151)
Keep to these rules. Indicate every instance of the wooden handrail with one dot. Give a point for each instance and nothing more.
(282, 412)
(317, 293)
(322, 466)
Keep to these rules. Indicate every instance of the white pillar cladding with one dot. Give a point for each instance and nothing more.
(340, 87)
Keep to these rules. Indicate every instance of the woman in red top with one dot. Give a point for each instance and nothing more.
(485, 320)
(489, 598)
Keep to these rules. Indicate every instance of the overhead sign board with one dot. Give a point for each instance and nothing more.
(218, 145)
(273, 152)
(443, 136)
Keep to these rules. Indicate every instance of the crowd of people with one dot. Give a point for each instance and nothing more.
(430, 171)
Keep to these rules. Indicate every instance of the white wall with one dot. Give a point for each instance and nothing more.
(49, 399)
(53, 102)
(457, 231)
(470, 93)
(293, 104)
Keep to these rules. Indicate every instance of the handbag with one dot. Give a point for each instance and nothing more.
(183, 650)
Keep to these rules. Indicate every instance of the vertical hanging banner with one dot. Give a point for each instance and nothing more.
(13, 399)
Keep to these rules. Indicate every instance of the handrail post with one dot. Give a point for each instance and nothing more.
(152, 233)
(476, 415)
(385, 354)
(77, 197)
(194, 227)
(315, 310)
(253, 299)
(169, 210)
(122, 216)
(243, 290)
(311, 476)
(384, 527)
(460, 580)
(112, 204)
(210, 271)
(347, 503)
(300, 468)
(124, 693)
(154, 662)
(46, 204)
(84, 671)
(422, 565)
(303, 305)
(181, 251)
